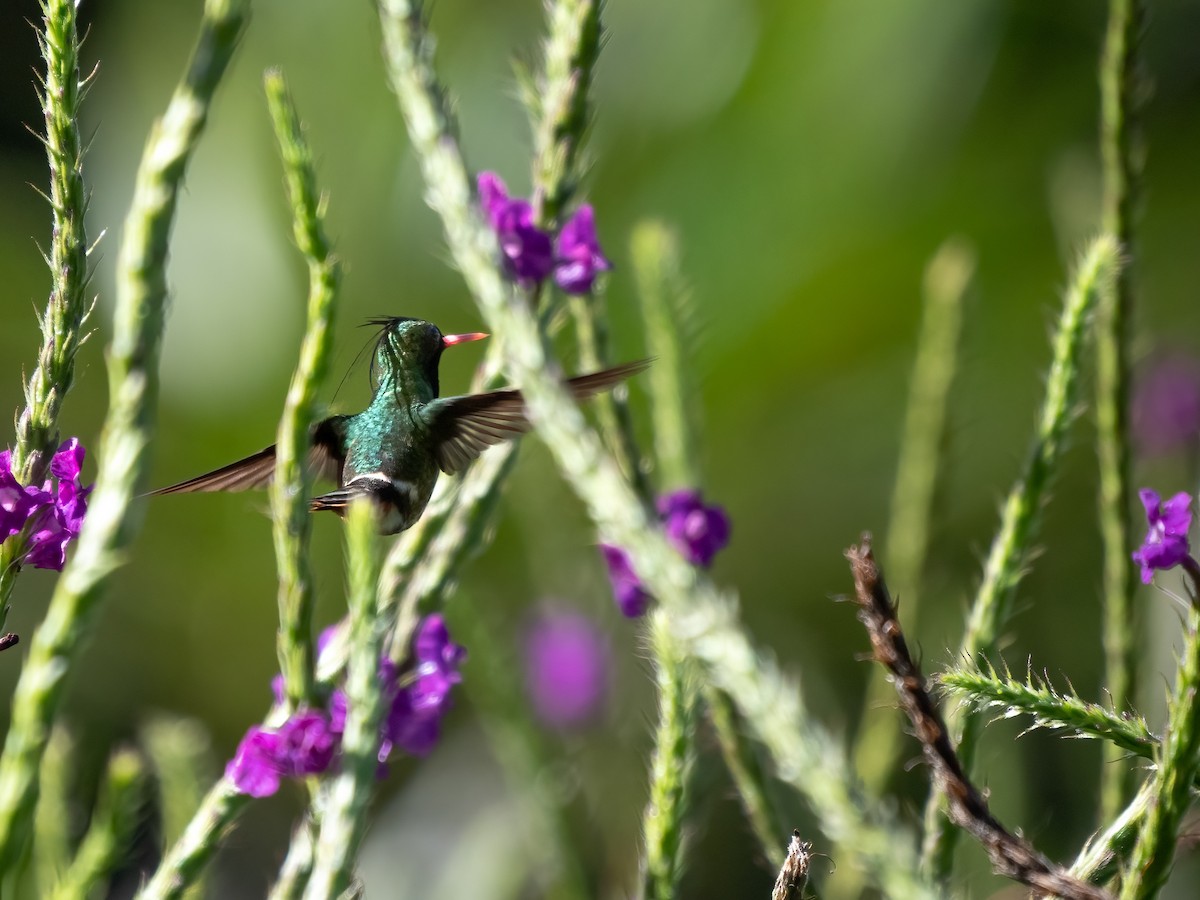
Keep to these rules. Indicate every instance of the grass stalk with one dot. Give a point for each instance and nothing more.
(1106, 853)
(180, 754)
(67, 309)
(110, 834)
(297, 865)
(129, 426)
(1178, 765)
(947, 279)
(1113, 331)
(671, 766)
(1020, 518)
(292, 484)
(52, 837)
(703, 620)
(347, 795)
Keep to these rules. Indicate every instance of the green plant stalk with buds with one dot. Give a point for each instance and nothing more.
(124, 445)
(1113, 318)
(1019, 520)
(703, 620)
(67, 309)
(343, 801)
(291, 486)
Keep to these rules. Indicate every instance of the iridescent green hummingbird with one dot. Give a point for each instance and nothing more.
(392, 451)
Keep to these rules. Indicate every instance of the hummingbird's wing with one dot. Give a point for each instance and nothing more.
(465, 426)
(324, 461)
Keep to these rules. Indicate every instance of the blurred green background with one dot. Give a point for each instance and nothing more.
(812, 156)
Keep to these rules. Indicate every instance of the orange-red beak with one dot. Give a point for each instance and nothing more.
(449, 340)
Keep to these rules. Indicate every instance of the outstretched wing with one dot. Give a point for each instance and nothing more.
(465, 426)
(325, 460)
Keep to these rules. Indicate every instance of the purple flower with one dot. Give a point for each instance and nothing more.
(1166, 543)
(68, 460)
(414, 721)
(304, 745)
(1166, 405)
(18, 503)
(697, 531)
(577, 253)
(631, 596)
(528, 251)
(566, 668)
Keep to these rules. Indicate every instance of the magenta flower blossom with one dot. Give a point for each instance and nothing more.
(303, 745)
(566, 668)
(528, 251)
(53, 513)
(697, 531)
(577, 253)
(17, 501)
(631, 596)
(414, 722)
(1166, 543)
(1166, 405)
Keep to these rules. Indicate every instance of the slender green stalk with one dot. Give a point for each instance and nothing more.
(665, 302)
(292, 484)
(562, 104)
(670, 766)
(109, 836)
(183, 864)
(180, 753)
(1178, 766)
(297, 865)
(124, 446)
(990, 690)
(557, 838)
(67, 308)
(703, 620)
(1113, 326)
(749, 779)
(1006, 563)
(52, 838)
(947, 278)
(1106, 853)
(348, 794)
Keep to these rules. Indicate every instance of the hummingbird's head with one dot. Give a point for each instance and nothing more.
(413, 344)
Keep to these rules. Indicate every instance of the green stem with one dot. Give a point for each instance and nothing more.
(1178, 766)
(1106, 853)
(183, 864)
(348, 794)
(67, 308)
(947, 278)
(110, 835)
(52, 838)
(297, 865)
(671, 766)
(1113, 325)
(703, 620)
(665, 301)
(1006, 563)
(570, 57)
(124, 446)
(291, 486)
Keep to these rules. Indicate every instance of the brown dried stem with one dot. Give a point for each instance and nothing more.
(1011, 855)
(793, 876)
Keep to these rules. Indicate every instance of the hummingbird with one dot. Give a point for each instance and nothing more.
(393, 450)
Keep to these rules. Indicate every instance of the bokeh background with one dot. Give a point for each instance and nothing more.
(812, 157)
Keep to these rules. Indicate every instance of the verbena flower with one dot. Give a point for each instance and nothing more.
(1166, 543)
(1166, 405)
(528, 251)
(577, 253)
(53, 513)
(303, 745)
(696, 529)
(530, 255)
(631, 596)
(309, 741)
(566, 668)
